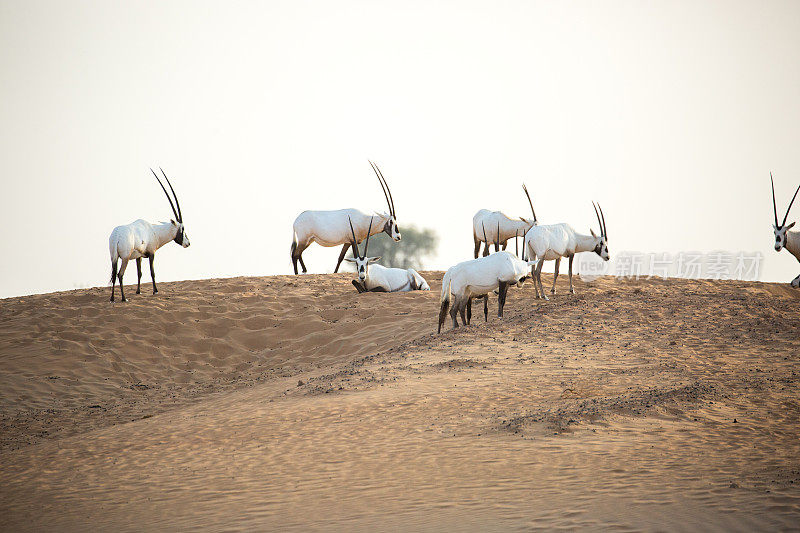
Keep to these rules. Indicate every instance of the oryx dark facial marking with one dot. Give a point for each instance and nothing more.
(601, 248)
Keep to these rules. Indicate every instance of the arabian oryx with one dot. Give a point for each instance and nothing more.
(329, 228)
(783, 237)
(476, 278)
(554, 241)
(378, 278)
(141, 239)
(509, 228)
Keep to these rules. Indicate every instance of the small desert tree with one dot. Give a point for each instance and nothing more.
(415, 245)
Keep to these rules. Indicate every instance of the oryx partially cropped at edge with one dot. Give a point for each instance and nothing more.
(508, 227)
(554, 241)
(378, 278)
(330, 228)
(783, 237)
(141, 239)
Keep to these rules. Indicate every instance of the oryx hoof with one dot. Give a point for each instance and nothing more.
(552, 291)
(111, 299)
(138, 291)
(544, 297)
(124, 299)
(572, 291)
(155, 291)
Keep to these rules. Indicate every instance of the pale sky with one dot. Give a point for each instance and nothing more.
(671, 114)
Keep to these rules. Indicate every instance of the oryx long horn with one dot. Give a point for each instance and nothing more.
(516, 240)
(524, 188)
(168, 198)
(790, 206)
(602, 231)
(774, 206)
(384, 187)
(605, 229)
(177, 203)
(366, 244)
(356, 253)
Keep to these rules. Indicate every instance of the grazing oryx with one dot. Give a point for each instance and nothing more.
(141, 239)
(477, 278)
(508, 226)
(555, 241)
(783, 237)
(378, 278)
(329, 228)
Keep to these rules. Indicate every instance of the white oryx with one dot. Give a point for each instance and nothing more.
(476, 278)
(783, 237)
(329, 228)
(141, 239)
(509, 227)
(554, 241)
(378, 278)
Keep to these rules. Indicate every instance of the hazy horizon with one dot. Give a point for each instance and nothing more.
(670, 114)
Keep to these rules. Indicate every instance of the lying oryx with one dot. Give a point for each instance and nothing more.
(378, 278)
(783, 237)
(329, 228)
(141, 239)
(476, 278)
(507, 227)
(554, 241)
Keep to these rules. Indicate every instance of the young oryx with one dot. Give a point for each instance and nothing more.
(378, 278)
(555, 241)
(508, 226)
(476, 278)
(141, 239)
(783, 237)
(328, 228)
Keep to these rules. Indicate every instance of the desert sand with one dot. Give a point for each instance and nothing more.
(294, 403)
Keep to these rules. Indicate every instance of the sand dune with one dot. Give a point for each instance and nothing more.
(295, 403)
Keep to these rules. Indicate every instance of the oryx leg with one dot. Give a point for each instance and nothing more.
(477, 245)
(555, 275)
(469, 309)
(378, 289)
(501, 302)
(138, 275)
(341, 257)
(454, 311)
(359, 286)
(538, 280)
(485, 249)
(571, 290)
(462, 309)
(795, 282)
(120, 274)
(113, 278)
(505, 243)
(297, 255)
(486, 308)
(153, 272)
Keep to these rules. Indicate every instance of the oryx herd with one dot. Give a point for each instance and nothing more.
(462, 283)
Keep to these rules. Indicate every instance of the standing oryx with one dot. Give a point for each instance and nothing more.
(783, 237)
(378, 278)
(508, 227)
(476, 278)
(329, 228)
(555, 241)
(141, 239)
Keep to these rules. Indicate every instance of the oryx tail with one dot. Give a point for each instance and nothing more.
(444, 300)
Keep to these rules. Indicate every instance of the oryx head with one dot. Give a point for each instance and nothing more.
(781, 229)
(180, 231)
(601, 248)
(390, 227)
(535, 221)
(362, 261)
